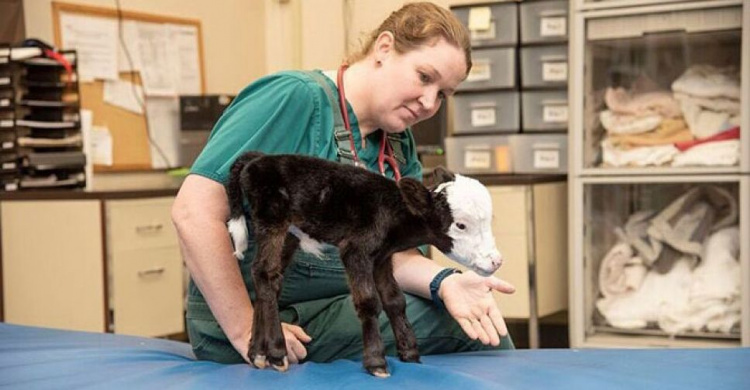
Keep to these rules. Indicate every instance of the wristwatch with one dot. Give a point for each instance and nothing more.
(435, 285)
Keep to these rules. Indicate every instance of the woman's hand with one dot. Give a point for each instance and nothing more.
(294, 336)
(468, 298)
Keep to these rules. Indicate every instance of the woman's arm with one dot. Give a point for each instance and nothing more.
(468, 297)
(199, 214)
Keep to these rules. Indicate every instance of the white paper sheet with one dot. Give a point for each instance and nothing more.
(86, 120)
(130, 36)
(184, 52)
(101, 145)
(120, 93)
(163, 115)
(156, 63)
(95, 39)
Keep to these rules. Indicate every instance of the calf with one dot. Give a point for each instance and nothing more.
(299, 202)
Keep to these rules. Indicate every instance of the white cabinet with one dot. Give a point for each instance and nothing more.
(529, 225)
(660, 174)
(98, 264)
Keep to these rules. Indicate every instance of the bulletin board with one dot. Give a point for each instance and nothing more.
(129, 131)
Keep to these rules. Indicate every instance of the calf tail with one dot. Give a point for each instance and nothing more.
(237, 224)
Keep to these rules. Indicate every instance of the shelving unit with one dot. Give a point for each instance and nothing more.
(654, 48)
(40, 127)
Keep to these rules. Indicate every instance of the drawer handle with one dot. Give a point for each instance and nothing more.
(152, 271)
(153, 228)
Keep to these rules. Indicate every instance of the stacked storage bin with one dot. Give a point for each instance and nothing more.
(542, 148)
(9, 174)
(486, 107)
(48, 124)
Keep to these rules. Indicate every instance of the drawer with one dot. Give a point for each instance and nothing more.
(544, 66)
(490, 24)
(140, 223)
(544, 21)
(545, 110)
(147, 291)
(492, 69)
(478, 154)
(539, 153)
(486, 112)
(509, 208)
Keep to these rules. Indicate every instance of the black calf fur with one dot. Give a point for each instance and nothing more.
(369, 218)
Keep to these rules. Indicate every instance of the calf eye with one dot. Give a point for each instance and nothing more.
(460, 226)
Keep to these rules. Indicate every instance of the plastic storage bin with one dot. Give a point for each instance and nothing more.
(544, 66)
(544, 21)
(484, 112)
(545, 110)
(501, 20)
(478, 154)
(492, 69)
(539, 153)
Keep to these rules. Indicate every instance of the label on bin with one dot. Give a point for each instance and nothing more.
(480, 71)
(483, 117)
(479, 35)
(478, 159)
(547, 159)
(553, 26)
(555, 71)
(555, 113)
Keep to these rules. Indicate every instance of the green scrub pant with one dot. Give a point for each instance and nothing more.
(315, 296)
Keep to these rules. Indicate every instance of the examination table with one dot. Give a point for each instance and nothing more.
(39, 358)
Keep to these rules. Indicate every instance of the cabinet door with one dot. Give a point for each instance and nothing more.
(53, 269)
(146, 290)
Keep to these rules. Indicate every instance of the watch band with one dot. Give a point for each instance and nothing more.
(435, 285)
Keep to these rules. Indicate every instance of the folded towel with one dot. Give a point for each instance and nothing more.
(628, 124)
(620, 272)
(704, 122)
(709, 81)
(662, 103)
(720, 153)
(637, 157)
(669, 131)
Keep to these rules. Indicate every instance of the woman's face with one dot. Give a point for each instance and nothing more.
(412, 86)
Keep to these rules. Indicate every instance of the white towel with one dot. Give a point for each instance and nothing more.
(638, 157)
(709, 81)
(719, 153)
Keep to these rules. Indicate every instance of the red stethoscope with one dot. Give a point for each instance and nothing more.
(385, 155)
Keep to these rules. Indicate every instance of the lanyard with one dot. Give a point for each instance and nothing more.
(385, 154)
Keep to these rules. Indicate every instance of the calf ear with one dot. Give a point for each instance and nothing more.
(441, 175)
(415, 195)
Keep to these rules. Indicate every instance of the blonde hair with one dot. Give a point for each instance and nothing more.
(418, 24)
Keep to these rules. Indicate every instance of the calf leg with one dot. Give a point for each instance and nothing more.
(394, 305)
(359, 268)
(274, 253)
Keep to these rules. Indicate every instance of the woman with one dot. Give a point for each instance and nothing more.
(416, 58)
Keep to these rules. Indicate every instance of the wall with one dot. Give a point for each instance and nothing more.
(233, 33)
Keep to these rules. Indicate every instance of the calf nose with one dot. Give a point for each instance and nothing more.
(497, 262)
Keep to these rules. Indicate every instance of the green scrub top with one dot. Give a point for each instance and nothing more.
(289, 113)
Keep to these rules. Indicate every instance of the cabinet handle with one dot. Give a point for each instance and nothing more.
(153, 228)
(152, 271)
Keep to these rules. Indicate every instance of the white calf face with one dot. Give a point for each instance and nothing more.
(471, 231)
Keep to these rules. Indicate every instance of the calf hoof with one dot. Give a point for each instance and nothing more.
(280, 366)
(377, 367)
(410, 356)
(259, 361)
(380, 373)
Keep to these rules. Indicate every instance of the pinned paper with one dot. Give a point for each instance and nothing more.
(479, 18)
(101, 145)
(124, 94)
